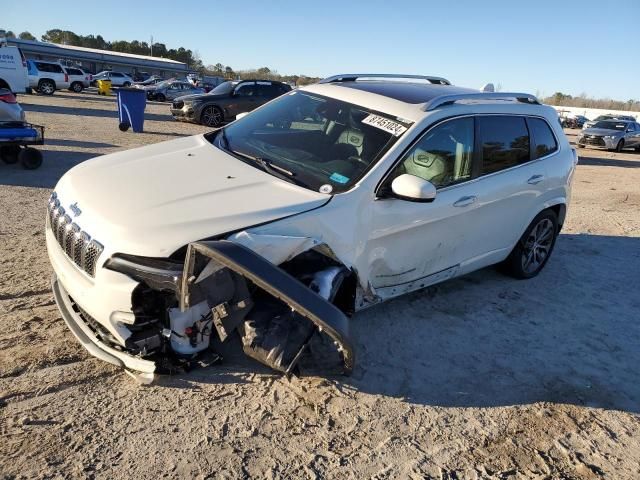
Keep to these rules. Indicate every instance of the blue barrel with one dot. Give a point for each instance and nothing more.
(131, 105)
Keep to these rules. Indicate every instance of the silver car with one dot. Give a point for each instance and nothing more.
(172, 90)
(609, 116)
(10, 109)
(612, 135)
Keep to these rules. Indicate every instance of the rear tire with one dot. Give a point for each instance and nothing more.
(211, 116)
(160, 97)
(46, 87)
(531, 253)
(30, 158)
(77, 87)
(9, 153)
(126, 84)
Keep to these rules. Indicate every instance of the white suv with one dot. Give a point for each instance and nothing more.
(320, 203)
(47, 77)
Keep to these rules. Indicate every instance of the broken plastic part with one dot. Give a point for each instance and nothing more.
(278, 334)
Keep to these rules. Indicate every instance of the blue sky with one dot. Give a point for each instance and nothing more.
(536, 46)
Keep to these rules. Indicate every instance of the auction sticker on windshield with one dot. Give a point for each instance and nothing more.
(394, 128)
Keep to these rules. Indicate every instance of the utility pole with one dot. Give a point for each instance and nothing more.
(151, 45)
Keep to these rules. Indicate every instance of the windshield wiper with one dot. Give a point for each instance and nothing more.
(270, 167)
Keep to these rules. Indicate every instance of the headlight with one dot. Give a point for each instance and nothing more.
(611, 137)
(157, 273)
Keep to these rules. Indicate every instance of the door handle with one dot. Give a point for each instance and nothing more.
(535, 179)
(465, 201)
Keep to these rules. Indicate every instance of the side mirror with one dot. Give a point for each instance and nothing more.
(412, 188)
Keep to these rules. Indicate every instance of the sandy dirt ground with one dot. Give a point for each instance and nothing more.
(479, 377)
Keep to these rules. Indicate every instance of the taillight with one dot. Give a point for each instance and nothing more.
(66, 77)
(8, 98)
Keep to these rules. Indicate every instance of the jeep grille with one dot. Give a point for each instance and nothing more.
(76, 244)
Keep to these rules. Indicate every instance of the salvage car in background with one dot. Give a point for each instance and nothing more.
(226, 101)
(610, 116)
(278, 226)
(169, 90)
(612, 135)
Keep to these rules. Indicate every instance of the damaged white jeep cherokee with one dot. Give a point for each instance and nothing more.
(277, 227)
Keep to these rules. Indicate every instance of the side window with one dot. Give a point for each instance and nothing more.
(504, 142)
(116, 75)
(631, 127)
(56, 68)
(444, 155)
(43, 67)
(246, 90)
(73, 71)
(542, 137)
(264, 89)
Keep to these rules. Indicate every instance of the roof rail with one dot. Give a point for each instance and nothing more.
(352, 77)
(479, 97)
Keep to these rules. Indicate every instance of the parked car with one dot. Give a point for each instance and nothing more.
(173, 89)
(612, 135)
(610, 116)
(118, 79)
(10, 110)
(226, 101)
(149, 81)
(141, 77)
(47, 77)
(78, 79)
(323, 202)
(13, 70)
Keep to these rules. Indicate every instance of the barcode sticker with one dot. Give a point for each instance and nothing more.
(394, 128)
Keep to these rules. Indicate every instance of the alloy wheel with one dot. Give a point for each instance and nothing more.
(211, 117)
(537, 246)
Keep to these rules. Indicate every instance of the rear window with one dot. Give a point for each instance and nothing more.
(544, 142)
(504, 142)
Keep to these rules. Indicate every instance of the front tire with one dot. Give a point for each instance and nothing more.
(211, 116)
(160, 97)
(531, 253)
(46, 87)
(126, 84)
(620, 146)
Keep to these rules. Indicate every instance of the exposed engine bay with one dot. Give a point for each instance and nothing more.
(288, 317)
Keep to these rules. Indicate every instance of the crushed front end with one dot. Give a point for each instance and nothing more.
(177, 311)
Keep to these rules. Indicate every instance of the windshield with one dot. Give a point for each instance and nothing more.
(318, 142)
(223, 88)
(610, 125)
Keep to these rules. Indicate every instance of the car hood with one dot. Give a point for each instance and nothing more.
(601, 131)
(153, 200)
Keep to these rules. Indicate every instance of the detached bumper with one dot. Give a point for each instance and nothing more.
(85, 335)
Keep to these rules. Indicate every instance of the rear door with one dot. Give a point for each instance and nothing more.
(512, 177)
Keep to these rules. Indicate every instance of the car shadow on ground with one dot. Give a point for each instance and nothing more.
(609, 162)
(55, 164)
(78, 143)
(571, 335)
(88, 112)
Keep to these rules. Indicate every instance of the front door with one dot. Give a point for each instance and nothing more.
(412, 244)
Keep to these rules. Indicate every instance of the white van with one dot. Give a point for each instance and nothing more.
(13, 69)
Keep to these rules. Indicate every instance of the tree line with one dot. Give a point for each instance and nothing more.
(181, 54)
(583, 101)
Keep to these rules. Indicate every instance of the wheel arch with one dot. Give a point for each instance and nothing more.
(4, 84)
